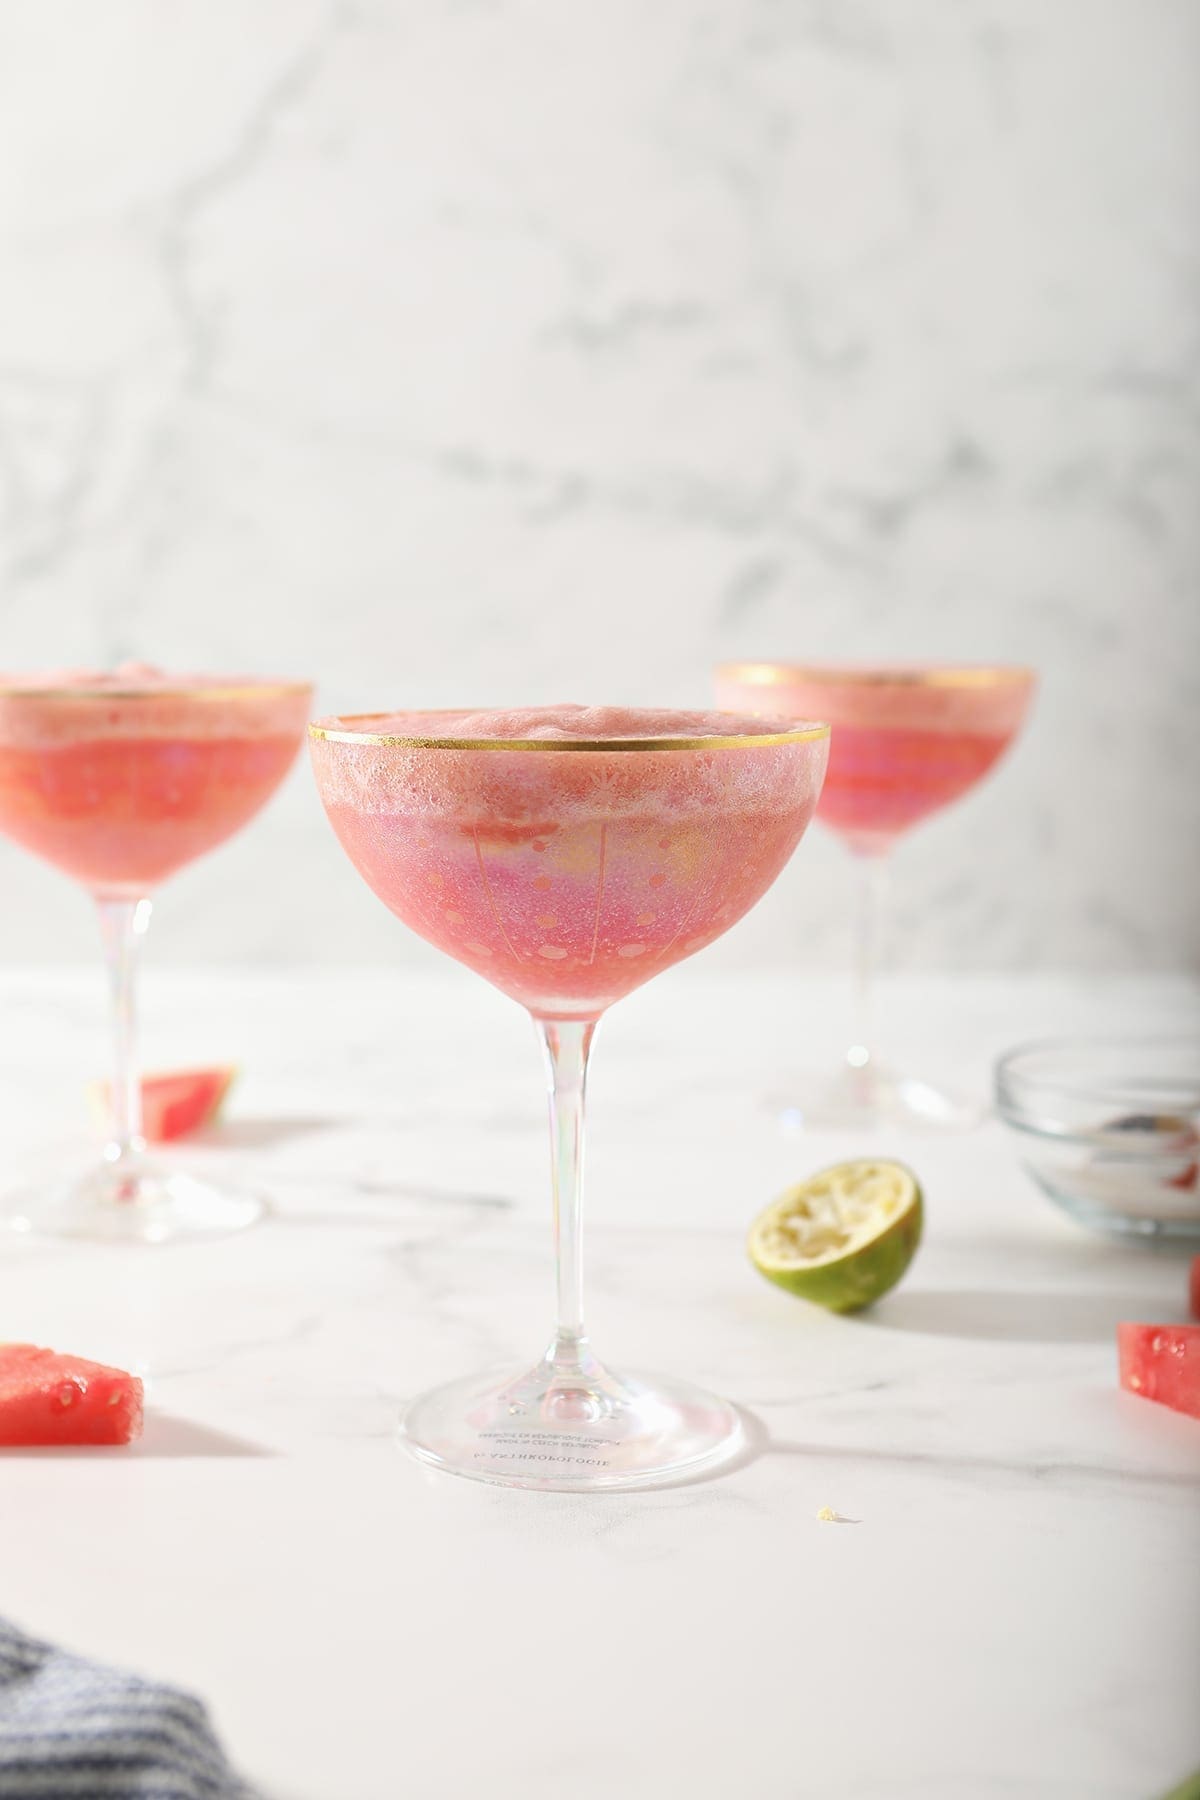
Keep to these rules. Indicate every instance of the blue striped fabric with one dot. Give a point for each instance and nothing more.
(71, 1729)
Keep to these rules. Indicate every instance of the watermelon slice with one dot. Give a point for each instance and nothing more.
(46, 1398)
(1162, 1362)
(173, 1104)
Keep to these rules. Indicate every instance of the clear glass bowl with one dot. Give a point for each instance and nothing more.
(1109, 1128)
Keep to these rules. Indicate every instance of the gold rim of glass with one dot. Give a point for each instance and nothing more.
(182, 691)
(768, 674)
(333, 730)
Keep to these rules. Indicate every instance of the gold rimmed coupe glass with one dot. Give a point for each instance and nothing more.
(569, 856)
(120, 781)
(907, 741)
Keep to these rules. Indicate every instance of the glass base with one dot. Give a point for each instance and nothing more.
(874, 1095)
(142, 1205)
(579, 1430)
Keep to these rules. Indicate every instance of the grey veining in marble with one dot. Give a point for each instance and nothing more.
(515, 349)
(1005, 1612)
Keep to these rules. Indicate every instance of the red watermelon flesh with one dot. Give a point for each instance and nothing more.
(1162, 1362)
(46, 1398)
(174, 1104)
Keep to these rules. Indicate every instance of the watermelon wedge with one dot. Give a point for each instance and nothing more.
(173, 1104)
(1162, 1362)
(46, 1398)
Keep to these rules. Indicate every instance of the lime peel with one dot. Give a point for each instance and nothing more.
(842, 1238)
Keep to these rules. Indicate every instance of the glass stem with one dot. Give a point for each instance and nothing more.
(567, 1043)
(870, 914)
(123, 925)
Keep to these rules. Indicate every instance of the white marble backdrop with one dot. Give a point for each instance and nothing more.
(501, 349)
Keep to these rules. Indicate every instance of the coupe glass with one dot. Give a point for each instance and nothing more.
(119, 780)
(569, 855)
(906, 742)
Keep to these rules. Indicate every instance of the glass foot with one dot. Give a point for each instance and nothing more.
(131, 1206)
(575, 1431)
(872, 1095)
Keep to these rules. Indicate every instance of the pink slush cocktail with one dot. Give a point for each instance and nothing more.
(568, 854)
(566, 879)
(120, 779)
(907, 741)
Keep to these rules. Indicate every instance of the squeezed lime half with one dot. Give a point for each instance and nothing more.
(843, 1237)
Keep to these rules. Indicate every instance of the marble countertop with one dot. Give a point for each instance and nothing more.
(1007, 1615)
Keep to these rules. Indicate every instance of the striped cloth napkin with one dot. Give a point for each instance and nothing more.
(71, 1729)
